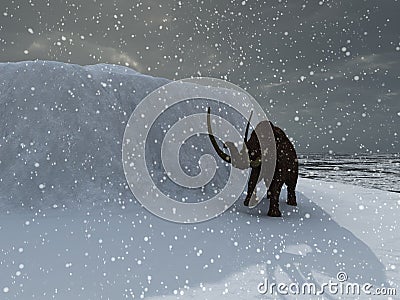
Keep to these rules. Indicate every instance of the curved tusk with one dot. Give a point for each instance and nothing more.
(247, 127)
(220, 153)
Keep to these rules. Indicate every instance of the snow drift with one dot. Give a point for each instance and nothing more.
(60, 148)
(61, 131)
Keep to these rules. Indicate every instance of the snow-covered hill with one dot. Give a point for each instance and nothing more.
(63, 237)
(61, 130)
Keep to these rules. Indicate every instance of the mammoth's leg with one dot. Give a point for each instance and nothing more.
(253, 180)
(291, 187)
(291, 190)
(291, 194)
(273, 194)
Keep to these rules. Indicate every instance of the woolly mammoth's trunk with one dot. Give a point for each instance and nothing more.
(240, 159)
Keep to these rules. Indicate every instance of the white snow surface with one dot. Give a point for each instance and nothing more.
(63, 236)
(61, 129)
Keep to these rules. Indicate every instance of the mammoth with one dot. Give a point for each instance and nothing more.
(286, 165)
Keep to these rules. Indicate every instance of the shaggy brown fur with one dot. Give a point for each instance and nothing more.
(286, 168)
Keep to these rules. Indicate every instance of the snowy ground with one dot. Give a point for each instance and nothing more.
(70, 228)
(123, 254)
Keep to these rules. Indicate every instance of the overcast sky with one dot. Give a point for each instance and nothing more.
(325, 71)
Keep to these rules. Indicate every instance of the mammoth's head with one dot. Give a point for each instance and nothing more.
(242, 159)
(239, 159)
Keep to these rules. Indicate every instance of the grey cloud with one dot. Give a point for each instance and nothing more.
(265, 47)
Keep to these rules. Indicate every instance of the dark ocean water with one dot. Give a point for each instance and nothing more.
(379, 171)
